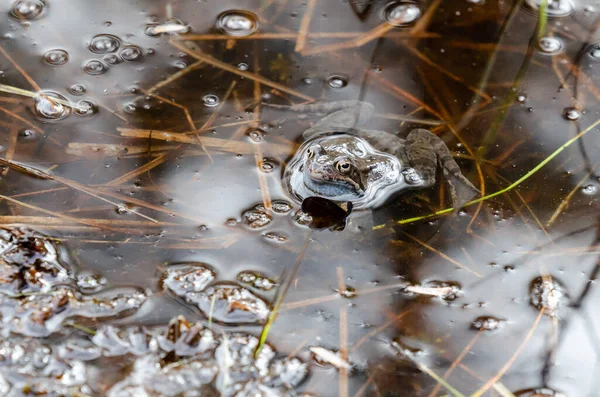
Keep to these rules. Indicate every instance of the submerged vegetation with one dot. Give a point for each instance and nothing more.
(149, 248)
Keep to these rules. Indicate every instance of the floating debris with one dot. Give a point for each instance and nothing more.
(325, 356)
(281, 206)
(549, 294)
(88, 281)
(275, 237)
(256, 280)
(233, 304)
(441, 289)
(42, 314)
(186, 280)
(347, 292)
(172, 26)
(487, 323)
(257, 217)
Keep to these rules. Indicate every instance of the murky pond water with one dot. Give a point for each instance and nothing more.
(148, 241)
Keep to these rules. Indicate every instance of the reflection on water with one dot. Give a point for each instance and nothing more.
(166, 199)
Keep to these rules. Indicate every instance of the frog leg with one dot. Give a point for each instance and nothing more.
(425, 151)
(336, 115)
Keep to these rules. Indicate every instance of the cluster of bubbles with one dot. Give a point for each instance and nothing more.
(401, 13)
(108, 45)
(38, 291)
(182, 358)
(237, 23)
(226, 302)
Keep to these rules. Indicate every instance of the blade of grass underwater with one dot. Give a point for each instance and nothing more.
(440, 380)
(508, 188)
(279, 300)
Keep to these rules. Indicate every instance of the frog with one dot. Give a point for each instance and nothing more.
(342, 162)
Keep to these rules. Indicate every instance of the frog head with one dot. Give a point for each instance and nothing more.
(340, 167)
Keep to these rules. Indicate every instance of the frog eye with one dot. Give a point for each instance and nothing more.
(343, 166)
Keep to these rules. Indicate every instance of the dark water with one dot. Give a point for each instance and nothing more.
(124, 207)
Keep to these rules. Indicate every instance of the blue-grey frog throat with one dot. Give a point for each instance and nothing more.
(339, 162)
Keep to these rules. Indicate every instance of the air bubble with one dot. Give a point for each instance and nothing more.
(211, 100)
(27, 135)
(521, 98)
(242, 66)
(129, 108)
(590, 189)
(85, 108)
(595, 51)
(267, 165)
(56, 57)
(550, 45)
(572, 114)
(131, 53)
(487, 323)
(256, 135)
(77, 89)
(237, 23)
(94, 67)
(48, 108)
(401, 13)
(27, 9)
(337, 81)
(111, 59)
(104, 44)
(554, 8)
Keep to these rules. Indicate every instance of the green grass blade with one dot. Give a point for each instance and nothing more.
(508, 188)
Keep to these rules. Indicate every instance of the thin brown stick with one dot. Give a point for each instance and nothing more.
(363, 388)
(343, 383)
(512, 359)
(232, 69)
(16, 116)
(216, 143)
(138, 171)
(441, 254)
(304, 25)
(377, 330)
(565, 202)
(340, 279)
(92, 223)
(457, 361)
(20, 69)
(175, 76)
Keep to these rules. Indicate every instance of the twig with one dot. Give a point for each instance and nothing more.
(231, 69)
(304, 25)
